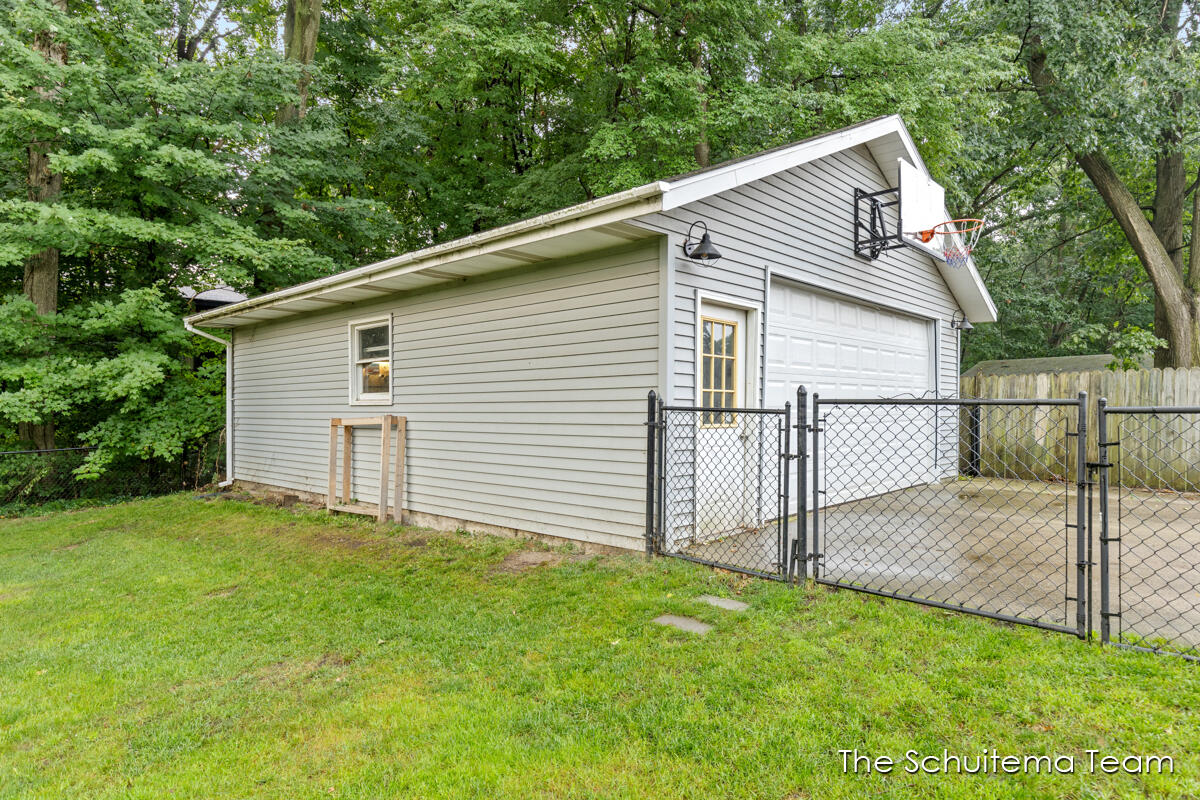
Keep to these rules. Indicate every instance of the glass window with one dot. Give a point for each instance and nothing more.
(372, 361)
(719, 354)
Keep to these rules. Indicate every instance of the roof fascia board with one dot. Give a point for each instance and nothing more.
(698, 187)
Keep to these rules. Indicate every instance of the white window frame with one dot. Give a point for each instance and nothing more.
(352, 328)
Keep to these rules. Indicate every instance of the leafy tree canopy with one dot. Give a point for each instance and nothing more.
(185, 144)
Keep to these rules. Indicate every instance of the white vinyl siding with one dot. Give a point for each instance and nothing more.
(798, 224)
(525, 396)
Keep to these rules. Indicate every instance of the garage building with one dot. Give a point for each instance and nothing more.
(521, 357)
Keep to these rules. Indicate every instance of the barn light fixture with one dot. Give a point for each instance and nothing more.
(959, 322)
(702, 250)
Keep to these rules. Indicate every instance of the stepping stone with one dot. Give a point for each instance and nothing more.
(723, 602)
(684, 623)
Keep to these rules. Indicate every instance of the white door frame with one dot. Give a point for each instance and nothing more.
(751, 393)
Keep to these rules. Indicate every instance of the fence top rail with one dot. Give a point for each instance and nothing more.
(948, 401)
(716, 409)
(1152, 409)
(39, 452)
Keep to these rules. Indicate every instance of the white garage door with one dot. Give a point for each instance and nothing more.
(841, 348)
(844, 349)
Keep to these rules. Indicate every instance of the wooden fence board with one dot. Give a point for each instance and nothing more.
(1159, 452)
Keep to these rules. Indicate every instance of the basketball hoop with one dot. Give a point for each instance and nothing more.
(958, 239)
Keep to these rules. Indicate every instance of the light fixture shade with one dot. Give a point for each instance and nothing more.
(704, 251)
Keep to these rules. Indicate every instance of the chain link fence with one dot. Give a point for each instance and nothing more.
(1149, 497)
(35, 481)
(989, 506)
(968, 505)
(722, 493)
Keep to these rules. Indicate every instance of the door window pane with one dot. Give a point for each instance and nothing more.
(719, 355)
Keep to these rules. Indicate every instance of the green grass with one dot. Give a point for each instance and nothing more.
(180, 647)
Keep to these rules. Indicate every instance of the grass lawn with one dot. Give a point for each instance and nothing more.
(182, 647)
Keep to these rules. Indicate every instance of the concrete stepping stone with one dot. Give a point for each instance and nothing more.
(723, 602)
(684, 623)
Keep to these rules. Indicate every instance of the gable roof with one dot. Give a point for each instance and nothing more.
(590, 226)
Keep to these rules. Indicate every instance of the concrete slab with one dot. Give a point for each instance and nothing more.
(723, 602)
(1004, 546)
(684, 623)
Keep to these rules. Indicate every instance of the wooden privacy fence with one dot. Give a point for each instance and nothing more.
(1160, 451)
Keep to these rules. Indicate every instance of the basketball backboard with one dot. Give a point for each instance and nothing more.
(922, 205)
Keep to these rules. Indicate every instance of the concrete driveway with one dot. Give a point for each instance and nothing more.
(1004, 546)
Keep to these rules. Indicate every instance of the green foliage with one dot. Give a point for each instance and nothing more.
(433, 119)
(120, 369)
(1130, 346)
(1126, 82)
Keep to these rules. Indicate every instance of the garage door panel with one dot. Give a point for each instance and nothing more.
(841, 348)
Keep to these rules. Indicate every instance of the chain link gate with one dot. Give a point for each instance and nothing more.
(717, 487)
(984, 506)
(1149, 498)
(970, 505)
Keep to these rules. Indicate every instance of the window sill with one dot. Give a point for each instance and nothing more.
(371, 401)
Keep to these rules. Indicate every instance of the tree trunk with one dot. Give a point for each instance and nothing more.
(1169, 188)
(41, 268)
(1181, 313)
(702, 149)
(1169, 182)
(1193, 272)
(301, 24)
(40, 282)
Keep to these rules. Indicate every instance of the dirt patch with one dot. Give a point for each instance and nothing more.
(15, 594)
(283, 673)
(344, 542)
(524, 560)
(223, 592)
(334, 660)
(73, 545)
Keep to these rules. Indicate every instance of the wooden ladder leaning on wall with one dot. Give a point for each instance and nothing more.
(347, 425)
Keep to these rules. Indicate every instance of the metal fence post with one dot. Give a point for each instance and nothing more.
(815, 555)
(1103, 466)
(662, 476)
(974, 445)
(1081, 561)
(651, 431)
(800, 543)
(783, 548)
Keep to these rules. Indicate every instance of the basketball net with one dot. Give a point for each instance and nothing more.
(958, 238)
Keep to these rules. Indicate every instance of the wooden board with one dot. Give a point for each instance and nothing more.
(331, 496)
(387, 478)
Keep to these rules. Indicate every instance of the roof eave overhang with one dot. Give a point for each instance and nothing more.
(508, 246)
(887, 138)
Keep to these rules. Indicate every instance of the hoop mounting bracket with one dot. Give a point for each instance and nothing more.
(871, 212)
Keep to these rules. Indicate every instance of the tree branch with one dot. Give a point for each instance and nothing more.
(1168, 284)
(205, 29)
